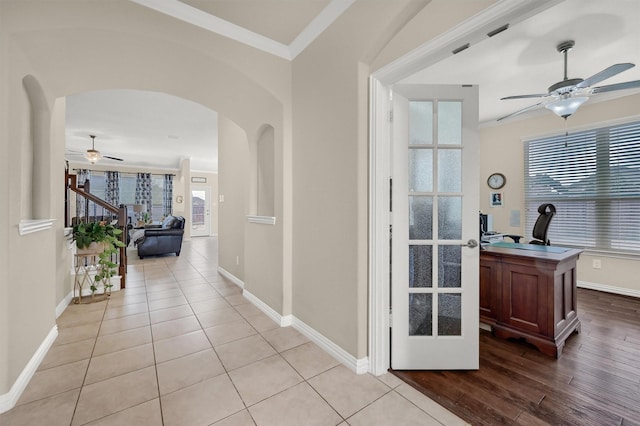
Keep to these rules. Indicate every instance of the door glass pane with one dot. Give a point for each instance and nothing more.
(420, 266)
(420, 170)
(450, 218)
(420, 123)
(198, 203)
(449, 170)
(420, 217)
(450, 314)
(450, 123)
(449, 263)
(420, 320)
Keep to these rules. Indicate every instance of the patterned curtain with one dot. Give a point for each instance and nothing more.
(112, 188)
(167, 195)
(81, 176)
(143, 190)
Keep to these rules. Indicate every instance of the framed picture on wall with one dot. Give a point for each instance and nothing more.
(496, 199)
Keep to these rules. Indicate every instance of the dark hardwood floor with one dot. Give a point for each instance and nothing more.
(596, 381)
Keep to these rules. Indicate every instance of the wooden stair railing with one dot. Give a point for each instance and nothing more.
(121, 212)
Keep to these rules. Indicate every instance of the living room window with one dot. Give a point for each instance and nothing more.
(128, 192)
(592, 177)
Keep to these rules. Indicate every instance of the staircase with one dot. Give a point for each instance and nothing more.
(102, 211)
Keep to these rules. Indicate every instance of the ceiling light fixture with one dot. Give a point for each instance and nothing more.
(566, 105)
(92, 154)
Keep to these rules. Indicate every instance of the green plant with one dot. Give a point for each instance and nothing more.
(108, 235)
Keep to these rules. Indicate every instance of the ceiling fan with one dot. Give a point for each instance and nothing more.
(565, 97)
(93, 155)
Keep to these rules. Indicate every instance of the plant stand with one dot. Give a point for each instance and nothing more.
(86, 266)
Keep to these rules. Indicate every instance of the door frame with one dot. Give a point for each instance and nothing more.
(471, 31)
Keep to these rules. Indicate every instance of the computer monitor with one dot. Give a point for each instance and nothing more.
(483, 224)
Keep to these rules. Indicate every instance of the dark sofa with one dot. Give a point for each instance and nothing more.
(162, 239)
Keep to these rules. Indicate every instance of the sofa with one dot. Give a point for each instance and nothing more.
(162, 239)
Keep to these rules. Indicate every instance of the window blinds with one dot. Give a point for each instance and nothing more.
(593, 179)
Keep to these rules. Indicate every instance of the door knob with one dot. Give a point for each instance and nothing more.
(471, 243)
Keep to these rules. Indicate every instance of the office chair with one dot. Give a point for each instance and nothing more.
(541, 227)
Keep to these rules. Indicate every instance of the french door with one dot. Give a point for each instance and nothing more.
(435, 202)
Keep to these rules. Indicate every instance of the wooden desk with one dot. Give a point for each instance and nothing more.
(530, 294)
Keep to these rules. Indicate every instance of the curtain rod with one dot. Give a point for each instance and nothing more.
(131, 173)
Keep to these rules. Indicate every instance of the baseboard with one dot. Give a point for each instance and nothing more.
(358, 366)
(268, 310)
(9, 400)
(609, 288)
(63, 304)
(228, 275)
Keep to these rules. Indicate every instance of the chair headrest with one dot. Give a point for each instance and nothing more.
(542, 209)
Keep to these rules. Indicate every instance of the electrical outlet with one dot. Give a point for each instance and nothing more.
(237, 260)
(596, 264)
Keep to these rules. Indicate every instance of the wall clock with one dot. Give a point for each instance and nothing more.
(496, 181)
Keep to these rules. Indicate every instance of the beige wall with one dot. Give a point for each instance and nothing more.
(233, 166)
(125, 47)
(330, 157)
(502, 151)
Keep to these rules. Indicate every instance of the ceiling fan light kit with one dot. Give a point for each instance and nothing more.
(92, 155)
(567, 95)
(566, 105)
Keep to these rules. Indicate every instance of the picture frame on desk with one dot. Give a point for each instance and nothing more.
(496, 199)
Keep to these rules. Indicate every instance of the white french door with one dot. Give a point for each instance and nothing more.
(435, 202)
(201, 212)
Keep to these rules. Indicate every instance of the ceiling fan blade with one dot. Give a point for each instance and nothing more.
(529, 108)
(112, 158)
(604, 74)
(617, 86)
(537, 95)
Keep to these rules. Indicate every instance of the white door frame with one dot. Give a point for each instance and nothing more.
(472, 31)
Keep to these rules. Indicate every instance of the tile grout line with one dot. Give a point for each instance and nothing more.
(84, 378)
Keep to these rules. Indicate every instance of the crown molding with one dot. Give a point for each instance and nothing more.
(197, 17)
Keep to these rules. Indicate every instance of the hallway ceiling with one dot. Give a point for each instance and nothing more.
(152, 129)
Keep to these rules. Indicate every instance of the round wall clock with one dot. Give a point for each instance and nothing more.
(496, 181)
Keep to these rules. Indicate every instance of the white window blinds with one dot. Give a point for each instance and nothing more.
(593, 179)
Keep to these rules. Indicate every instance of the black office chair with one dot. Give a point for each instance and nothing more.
(541, 226)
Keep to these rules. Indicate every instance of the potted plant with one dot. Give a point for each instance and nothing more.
(99, 239)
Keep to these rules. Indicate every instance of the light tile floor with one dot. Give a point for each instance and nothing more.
(182, 346)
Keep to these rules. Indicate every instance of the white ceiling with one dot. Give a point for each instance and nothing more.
(153, 129)
(524, 60)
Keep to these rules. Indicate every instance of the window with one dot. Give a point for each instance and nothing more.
(593, 179)
(128, 193)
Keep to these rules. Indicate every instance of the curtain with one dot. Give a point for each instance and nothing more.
(167, 195)
(143, 190)
(81, 176)
(112, 188)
